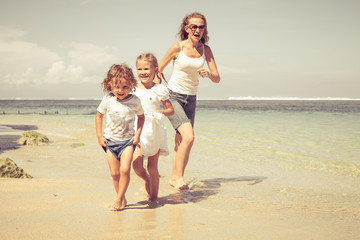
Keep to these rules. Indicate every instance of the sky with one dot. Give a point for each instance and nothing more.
(54, 49)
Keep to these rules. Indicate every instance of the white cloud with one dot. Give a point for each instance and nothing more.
(59, 73)
(22, 61)
(87, 64)
(92, 58)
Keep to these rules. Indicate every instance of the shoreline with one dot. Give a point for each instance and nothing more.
(71, 189)
(9, 134)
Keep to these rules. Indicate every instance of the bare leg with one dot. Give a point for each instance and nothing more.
(138, 165)
(124, 167)
(183, 145)
(114, 166)
(154, 176)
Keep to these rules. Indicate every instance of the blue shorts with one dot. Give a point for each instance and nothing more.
(184, 108)
(117, 148)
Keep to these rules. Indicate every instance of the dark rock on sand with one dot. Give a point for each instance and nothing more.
(33, 138)
(8, 168)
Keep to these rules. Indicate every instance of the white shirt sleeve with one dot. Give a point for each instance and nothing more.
(102, 108)
(162, 92)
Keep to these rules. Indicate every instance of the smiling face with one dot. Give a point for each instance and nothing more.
(146, 72)
(195, 28)
(120, 88)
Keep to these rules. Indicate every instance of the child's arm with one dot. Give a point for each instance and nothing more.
(140, 124)
(98, 126)
(169, 110)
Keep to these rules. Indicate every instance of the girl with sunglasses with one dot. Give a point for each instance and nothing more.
(189, 57)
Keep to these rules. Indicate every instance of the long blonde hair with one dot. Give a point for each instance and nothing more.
(184, 35)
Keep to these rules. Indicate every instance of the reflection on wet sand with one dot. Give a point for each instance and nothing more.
(168, 217)
(198, 191)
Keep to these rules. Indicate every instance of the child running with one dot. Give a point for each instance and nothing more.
(119, 138)
(153, 137)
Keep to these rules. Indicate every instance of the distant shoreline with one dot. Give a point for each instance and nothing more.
(88, 107)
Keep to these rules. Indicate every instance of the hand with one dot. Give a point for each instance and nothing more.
(102, 141)
(158, 111)
(203, 72)
(135, 140)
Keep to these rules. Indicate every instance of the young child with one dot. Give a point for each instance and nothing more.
(153, 135)
(119, 138)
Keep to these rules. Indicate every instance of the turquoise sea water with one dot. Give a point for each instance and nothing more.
(320, 136)
(315, 141)
(289, 168)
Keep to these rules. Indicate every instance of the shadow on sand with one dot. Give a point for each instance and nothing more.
(10, 134)
(198, 191)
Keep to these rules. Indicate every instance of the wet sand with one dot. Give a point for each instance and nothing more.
(71, 189)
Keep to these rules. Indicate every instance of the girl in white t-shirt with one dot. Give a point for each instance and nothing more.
(153, 137)
(120, 137)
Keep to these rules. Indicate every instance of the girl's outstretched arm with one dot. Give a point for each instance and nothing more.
(169, 110)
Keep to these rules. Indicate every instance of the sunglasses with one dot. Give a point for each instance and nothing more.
(193, 27)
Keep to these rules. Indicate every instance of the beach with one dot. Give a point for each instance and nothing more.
(242, 185)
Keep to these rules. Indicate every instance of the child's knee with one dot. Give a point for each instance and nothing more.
(153, 170)
(115, 175)
(138, 169)
(125, 171)
(188, 139)
(137, 164)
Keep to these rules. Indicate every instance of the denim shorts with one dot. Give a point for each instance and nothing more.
(117, 148)
(184, 108)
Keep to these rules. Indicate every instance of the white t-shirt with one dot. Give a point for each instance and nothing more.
(151, 98)
(120, 116)
(153, 135)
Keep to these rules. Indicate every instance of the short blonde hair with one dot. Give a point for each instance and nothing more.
(117, 72)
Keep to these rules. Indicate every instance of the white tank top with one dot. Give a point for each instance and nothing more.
(185, 78)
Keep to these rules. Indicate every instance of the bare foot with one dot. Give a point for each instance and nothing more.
(178, 184)
(153, 203)
(118, 204)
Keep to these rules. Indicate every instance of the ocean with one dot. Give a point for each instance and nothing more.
(88, 106)
(308, 135)
(278, 169)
